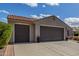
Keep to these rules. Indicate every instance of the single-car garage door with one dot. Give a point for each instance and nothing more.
(21, 33)
(51, 33)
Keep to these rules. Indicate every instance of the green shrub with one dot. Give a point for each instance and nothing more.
(76, 33)
(5, 34)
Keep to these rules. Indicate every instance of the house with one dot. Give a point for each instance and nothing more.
(27, 30)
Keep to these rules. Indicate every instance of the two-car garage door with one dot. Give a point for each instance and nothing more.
(51, 33)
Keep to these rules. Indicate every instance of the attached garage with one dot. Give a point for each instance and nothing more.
(51, 33)
(30, 29)
(21, 33)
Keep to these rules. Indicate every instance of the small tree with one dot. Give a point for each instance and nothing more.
(5, 34)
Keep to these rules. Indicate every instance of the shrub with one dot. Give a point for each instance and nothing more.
(76, 33)
(5, 34)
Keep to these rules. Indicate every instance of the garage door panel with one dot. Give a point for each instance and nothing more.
(51, 33)
(21, 33)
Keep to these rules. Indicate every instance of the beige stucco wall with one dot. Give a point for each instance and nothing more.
(37, 31)
(32, 33)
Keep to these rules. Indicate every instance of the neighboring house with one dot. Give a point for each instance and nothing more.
(47, 29)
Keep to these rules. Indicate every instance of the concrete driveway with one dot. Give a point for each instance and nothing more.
(58, 48)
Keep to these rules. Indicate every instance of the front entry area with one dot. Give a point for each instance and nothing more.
(21, 33)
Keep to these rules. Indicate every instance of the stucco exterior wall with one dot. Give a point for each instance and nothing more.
(32, 33)
(37, 31)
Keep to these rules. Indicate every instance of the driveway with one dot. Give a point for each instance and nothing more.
(58, 48)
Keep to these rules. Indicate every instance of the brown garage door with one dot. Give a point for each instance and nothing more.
(51, 33)
(21, 33)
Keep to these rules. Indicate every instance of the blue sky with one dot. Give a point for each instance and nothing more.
(67, 12)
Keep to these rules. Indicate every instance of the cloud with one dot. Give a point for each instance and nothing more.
(58, 16)
(52, 4)
(72, 21)
(4, 11)
(3, 20)
(40, 16)
(32, 4)
(44, 5)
